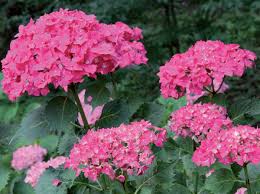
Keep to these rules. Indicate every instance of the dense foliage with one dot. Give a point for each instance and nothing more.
(106, 120)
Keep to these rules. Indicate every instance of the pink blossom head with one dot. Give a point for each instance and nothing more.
(197, 120)
(26, 156)
(239, 145)
(34, 173)
(203, 65)
(109, 151)
(62, 47)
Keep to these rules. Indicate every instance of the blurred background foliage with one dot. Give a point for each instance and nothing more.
(169, 27)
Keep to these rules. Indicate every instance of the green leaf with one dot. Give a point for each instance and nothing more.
(221, 181)
(254, 176)
(60, 112)
(8, 112)
(114, 113)
(81, 189)
(153, 112)
(255, 107)
(49, 142)
(68, 176)
(134, 104)
(204, 191)
(4, 171)
(99, 93)
(255, 184)
(66, 143)
(22, 188)
(219, 99)
(253, 172)
(180, 189)
(243, 111)
(33, 126)
(146, 190)
(173, 188)
(185, 145)
(45, 184)
(188, 165)
(173, 104)
(117, 187)
(158, 173)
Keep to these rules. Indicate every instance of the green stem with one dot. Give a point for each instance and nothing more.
(113, 84)
(89, 185)
(220, 86)
(79, 105)
(196, 185)
(247, 179)
(99, 185)
(75, 125)
(196, 181)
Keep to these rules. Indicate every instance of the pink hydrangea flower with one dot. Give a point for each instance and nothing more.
(124, 148)
(26, 156)
(56, 182)
(62, 47)
(197, 120)
(121, 178)
(238, 144)
(241, 190)
(92, 114)
(210, 172)
(34, 173)
(202, 66)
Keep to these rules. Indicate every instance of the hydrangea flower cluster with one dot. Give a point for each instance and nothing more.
(34, 173)
(113, 151)
(204, 65)
(92, 115)
(197, 120)
(238, 144)
(61, 47)
(26, 156)
(32, 157)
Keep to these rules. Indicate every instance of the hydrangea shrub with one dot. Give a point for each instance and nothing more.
(84, 138)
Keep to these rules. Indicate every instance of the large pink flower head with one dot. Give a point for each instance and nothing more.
(34, 173)
(61, 47)
(198, 120)
(204, 65)
(239, 145)
(116, 150)
(26, 156)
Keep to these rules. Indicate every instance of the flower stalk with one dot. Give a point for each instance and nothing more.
(247, 179)
(72, 88)
(196, 180)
